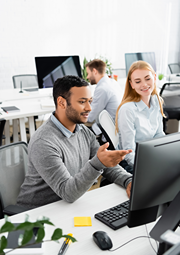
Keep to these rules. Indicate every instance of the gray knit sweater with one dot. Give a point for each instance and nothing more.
(63, 168)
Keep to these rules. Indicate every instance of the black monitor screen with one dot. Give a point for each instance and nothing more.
(51, 68)
(156, 178)
(145, 56)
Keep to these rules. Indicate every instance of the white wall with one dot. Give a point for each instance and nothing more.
(88, 28)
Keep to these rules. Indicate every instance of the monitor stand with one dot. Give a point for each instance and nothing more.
(169, 220)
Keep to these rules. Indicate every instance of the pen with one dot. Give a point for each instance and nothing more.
(65, 245)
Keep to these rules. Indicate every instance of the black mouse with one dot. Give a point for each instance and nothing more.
(177, 74)
(102, 240)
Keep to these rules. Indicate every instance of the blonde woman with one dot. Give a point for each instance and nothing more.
(139, 117)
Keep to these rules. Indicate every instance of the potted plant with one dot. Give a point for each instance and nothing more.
(83, 69)
(28, 228)
(160, 76)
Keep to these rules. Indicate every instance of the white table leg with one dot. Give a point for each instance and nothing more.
(31, 125)
(22, 130)
(6, 132)
(179, 126)
(15, 131)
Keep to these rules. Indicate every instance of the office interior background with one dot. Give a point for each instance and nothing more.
(109, 28)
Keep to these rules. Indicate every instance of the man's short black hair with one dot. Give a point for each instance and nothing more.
(63, 85)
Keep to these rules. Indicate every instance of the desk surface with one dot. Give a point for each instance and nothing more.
(13, 94)
(62, 213)
(29, 103)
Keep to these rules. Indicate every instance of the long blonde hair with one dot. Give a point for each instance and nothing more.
(130, 95)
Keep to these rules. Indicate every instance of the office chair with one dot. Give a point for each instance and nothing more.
(106, 123)
(2, 124)
(174, 68)
(13, 167)
(171, 104)
(25, 81)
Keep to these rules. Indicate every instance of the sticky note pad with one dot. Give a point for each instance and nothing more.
(82, 221)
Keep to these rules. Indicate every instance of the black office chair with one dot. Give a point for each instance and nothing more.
(2, 124)
(174, 68)
(171, 105)
(13, 167)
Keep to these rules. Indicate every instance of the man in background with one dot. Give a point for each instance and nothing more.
(107, 94)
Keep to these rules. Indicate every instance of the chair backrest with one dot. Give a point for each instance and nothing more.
(25, 80)
(13, 167)
(2, 124)
(174, 68)
(106, 123)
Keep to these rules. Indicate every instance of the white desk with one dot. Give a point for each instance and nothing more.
(30, 105)
(62, 213)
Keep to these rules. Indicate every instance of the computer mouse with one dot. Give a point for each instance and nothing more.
(102, 240)
(177, 74)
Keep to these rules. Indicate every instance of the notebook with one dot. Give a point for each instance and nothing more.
(10, 109)
(13, 243)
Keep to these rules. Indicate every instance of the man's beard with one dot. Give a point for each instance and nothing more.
(92, 81)
(73, 115)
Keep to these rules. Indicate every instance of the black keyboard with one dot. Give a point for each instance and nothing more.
(114, 217)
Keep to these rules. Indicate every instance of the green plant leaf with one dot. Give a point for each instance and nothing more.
(160, 76)
(38, 224)
(46, 222)
(83, 69)
(28, 234)
(7, 227)
(3, 244)
(40, 235)
(25, 226)
(57, 234)
(70, 237)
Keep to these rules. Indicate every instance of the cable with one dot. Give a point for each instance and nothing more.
(150, 240)
(133, 240)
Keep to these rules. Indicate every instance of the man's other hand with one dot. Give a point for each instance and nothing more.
(111, 158)
(128, 189)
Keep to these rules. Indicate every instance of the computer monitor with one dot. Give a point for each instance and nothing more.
(156, 178)
(145, 56)
(51, 68)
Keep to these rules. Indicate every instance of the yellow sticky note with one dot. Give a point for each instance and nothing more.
(82, 221)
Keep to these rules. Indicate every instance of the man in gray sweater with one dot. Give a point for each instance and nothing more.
(65, 158)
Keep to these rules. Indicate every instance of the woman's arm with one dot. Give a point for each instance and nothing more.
(127, 132)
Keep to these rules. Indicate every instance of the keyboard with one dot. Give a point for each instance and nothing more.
(114, 217)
